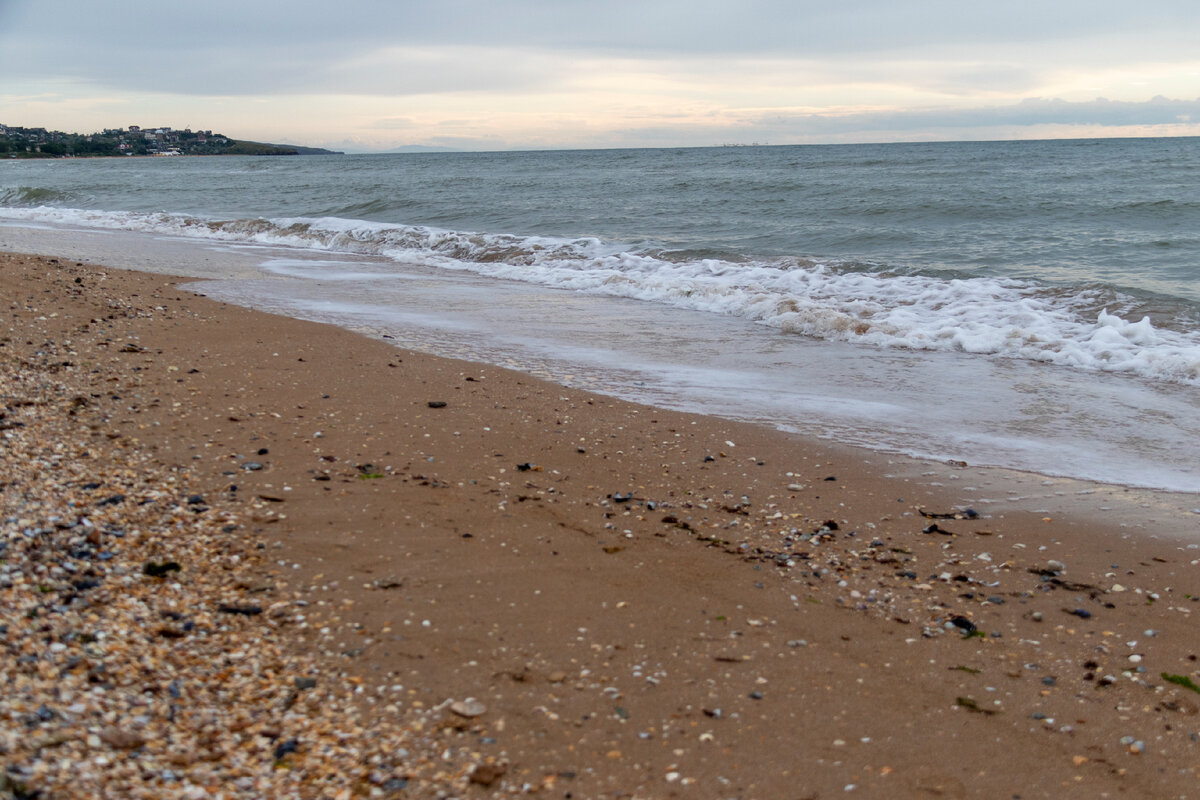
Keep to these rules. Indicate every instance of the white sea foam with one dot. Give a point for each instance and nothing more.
(981, 315)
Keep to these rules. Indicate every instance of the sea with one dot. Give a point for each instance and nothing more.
(1028, 305)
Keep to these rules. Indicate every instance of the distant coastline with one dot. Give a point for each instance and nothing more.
(22, 142)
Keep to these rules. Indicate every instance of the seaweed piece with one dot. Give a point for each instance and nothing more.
(971, 705)
(1181, 680)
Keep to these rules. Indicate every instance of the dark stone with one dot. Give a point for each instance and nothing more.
(262, 451)
(195, 500)
(963, 624)
(1082, 613)
(156, 570)
(111, 500)
(304, 683)
(437, 403)
(245, 611)
(283, 748)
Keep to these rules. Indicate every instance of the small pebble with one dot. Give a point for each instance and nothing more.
(468, 708)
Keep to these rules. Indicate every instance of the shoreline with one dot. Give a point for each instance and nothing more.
(1016, 416)
(644, 602)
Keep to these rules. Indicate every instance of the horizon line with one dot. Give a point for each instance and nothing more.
(435, 149)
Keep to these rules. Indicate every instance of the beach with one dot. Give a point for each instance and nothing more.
(345, 569)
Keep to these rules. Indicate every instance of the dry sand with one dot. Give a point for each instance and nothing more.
(499, 585)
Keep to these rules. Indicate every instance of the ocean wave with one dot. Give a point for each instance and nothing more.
(33, 196)
(1092, 328)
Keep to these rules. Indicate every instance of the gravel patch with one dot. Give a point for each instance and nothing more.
(148, 648)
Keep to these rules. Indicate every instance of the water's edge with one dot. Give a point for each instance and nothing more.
(228, 271)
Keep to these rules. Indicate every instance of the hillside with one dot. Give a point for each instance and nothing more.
(20, 142)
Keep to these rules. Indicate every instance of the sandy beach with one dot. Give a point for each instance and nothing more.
(251, 556)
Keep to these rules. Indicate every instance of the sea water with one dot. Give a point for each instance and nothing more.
(1030, 305)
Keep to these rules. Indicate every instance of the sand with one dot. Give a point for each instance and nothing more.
(533, 589)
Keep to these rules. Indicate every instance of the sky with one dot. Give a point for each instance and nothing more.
(363, 76)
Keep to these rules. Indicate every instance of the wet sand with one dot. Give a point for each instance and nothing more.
(537, 589)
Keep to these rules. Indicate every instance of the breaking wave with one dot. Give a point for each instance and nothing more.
(33, 196)
(1094, 328)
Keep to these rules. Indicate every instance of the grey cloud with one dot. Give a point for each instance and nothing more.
(222, 46)
(1157, 111)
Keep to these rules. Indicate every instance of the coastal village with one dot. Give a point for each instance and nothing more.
(22, 142)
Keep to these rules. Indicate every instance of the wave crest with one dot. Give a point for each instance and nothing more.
(33, 196)
(1088, 328)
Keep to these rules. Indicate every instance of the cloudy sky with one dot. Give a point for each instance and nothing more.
(365, 75)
